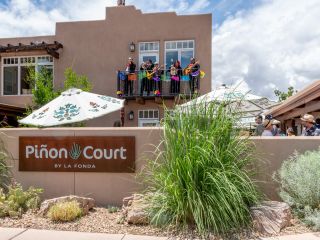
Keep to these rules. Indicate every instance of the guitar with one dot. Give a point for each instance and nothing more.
(188, 69)
(154, 70)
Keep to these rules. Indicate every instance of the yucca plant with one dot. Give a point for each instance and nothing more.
(200, 176)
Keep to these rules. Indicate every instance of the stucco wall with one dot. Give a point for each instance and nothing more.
(110, 188)
(105, 188)
(98, 49)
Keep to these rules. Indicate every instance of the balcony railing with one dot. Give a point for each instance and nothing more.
(149, 85)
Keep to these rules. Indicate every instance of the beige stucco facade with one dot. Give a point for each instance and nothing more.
(98, 49)
(110, 188)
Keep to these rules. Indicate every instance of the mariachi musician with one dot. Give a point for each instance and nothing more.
(130, 77)
(193, 69)
(157, 72)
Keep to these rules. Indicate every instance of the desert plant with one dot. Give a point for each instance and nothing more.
(65, 211)
(4, 168)
(299, 179)
(17, 201)
(199, 178)
(113, 209)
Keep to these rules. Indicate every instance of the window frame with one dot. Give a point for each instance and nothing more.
(149, 120)
(36, 63)
(178, 49)
(148, 110)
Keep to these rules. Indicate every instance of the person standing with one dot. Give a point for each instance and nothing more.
(259, 128)
(267, 123)
(317, 126)
(308, 122)
(276, 130)
(157, 72)
(290, 132)
(131, 76)
(178, 75)
(144, 80)
(149, 73)
(194, 74)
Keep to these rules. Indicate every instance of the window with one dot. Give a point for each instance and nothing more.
(179, 50)
(148, 50)
(148, 46)
(15, 72)
(148, 118)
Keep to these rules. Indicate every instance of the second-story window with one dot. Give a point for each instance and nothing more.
(179, 50)
(148, 50)
(15, 72)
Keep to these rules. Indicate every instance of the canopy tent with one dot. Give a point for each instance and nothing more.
(73, 105)
(248, 104)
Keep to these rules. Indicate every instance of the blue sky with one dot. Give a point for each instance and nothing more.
(221, 9)
(259, 43)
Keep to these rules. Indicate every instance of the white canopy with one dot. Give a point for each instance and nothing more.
(73, 105)
(248, 104)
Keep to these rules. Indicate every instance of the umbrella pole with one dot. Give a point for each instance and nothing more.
(122, 116)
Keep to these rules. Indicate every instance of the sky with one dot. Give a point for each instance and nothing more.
(260, 44)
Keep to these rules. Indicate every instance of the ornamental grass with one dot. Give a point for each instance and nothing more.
(200, 176)
(65, 211)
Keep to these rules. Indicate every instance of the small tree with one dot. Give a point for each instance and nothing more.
(284, 95)
(43, 90)
(72, 80)
(41, 83)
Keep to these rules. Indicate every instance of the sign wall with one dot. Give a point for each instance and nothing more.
(77, 154)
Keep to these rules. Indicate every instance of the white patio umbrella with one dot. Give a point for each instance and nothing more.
(73, 105)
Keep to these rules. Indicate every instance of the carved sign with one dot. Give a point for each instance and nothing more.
(77, 154)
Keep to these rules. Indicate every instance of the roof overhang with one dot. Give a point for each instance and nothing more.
(50, 48)
(298, 100)
(11, 110)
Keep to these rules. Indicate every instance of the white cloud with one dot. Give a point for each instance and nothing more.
(272, 46)
(30, 18)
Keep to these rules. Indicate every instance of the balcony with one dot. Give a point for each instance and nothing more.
(138, 86)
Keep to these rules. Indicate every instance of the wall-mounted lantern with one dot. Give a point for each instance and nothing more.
(131, 115)
(132, 47)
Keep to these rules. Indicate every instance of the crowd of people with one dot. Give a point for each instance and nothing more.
(271, 127)
(151, 75)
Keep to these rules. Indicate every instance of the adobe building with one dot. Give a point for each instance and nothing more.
(99, 49)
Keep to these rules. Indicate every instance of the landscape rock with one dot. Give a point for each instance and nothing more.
(85, 203)
(134, 209)
(270, 217)
(126, 201)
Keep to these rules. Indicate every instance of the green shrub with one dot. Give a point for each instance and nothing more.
(4, 168)
(17, 201)
(200, 178)
(113, 209)
(65, 211)
(299, 179)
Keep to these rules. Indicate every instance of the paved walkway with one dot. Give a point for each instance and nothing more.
(32, 234)
(305, 236)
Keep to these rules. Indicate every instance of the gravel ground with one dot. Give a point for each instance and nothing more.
(101, 221)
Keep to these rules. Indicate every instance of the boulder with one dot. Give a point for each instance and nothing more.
(134, 209)
(85, 203)
(270, 217)
(127, 201)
